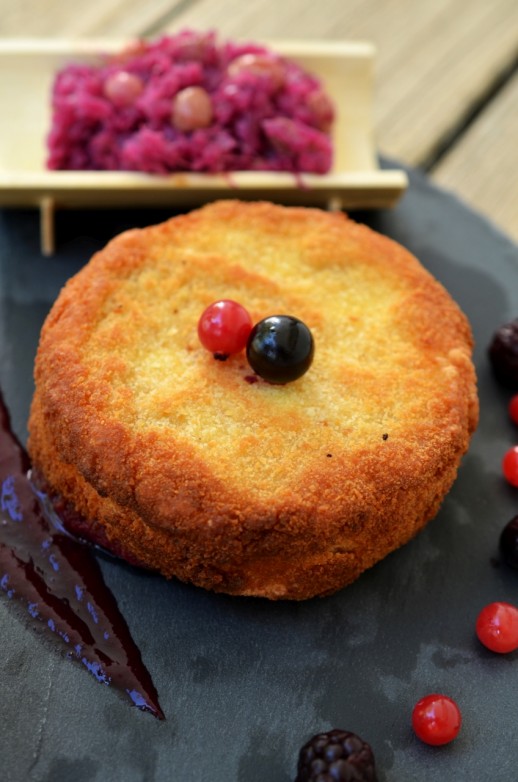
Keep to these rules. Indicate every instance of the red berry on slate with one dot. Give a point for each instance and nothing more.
(224, 328)
(510, 465)
(436, 719)
(513, 408)
(497, 627)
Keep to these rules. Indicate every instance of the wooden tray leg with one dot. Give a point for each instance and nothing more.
(334, 204)
(47, 231)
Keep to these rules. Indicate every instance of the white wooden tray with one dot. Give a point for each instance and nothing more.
(28, 67)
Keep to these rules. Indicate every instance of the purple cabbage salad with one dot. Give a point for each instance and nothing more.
(187, 103)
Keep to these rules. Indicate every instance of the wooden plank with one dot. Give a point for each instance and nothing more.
(96, 18)
(434, 59)
(482, 167)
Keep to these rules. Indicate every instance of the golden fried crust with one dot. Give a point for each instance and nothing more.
(246, 487)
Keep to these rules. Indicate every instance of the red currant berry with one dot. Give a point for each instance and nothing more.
(510, 465)
(497, 627)
(436, 719)
(224, 328)
(513, 408)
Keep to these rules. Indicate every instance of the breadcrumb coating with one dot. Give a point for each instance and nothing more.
(250, 488)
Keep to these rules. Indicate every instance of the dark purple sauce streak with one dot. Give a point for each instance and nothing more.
(59, 582)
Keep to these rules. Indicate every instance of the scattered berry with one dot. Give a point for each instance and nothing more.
(280, 348)
(513, 408)
(510, 465)
(224, 327)
(503, 354)
(336, 756)
(123, 88)
(321, 108)
(497, 627)
(509, 543)
(265, 66)
(192, 109)
(436, 719)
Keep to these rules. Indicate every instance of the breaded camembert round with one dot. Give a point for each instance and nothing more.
(198, 468)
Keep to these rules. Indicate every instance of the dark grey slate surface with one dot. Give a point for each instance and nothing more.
(244, 682)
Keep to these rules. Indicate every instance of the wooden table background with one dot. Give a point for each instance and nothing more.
(446, 70)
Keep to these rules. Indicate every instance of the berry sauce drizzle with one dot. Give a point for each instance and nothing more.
(59, 582)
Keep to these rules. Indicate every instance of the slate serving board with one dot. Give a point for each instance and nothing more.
(244, 682)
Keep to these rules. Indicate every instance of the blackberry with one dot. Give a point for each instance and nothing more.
(509, 543)
(503, 354)
(336, 756)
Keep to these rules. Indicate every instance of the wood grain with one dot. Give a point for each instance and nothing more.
(483, 167)
(67, 19)
(433, 59)
(435, 62)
